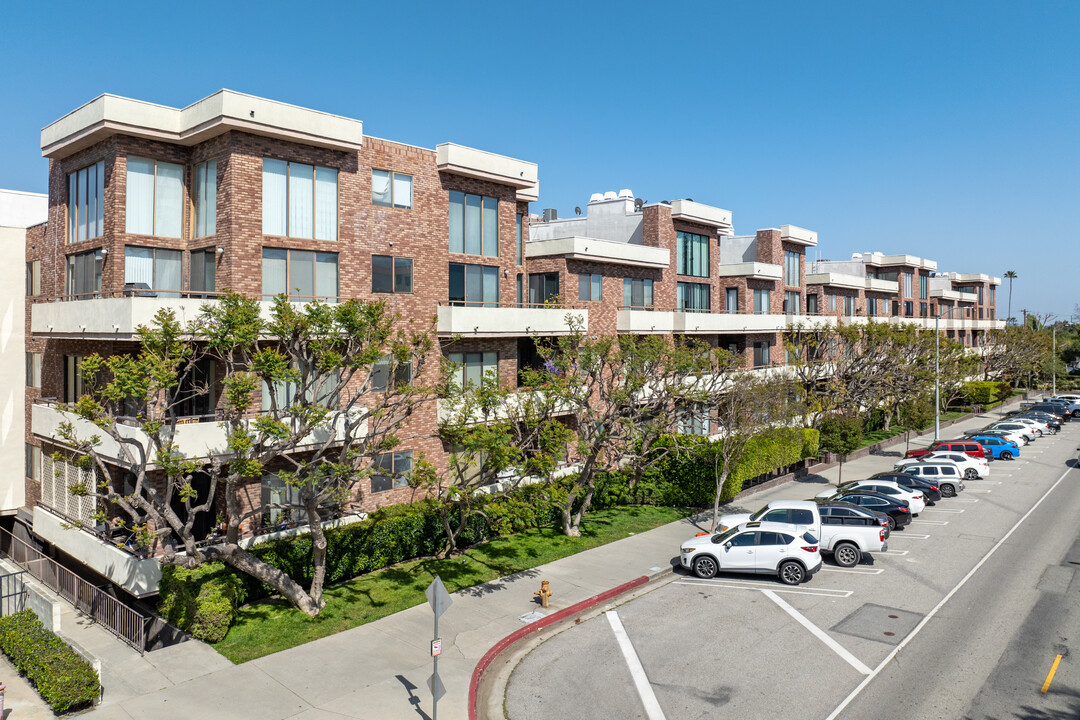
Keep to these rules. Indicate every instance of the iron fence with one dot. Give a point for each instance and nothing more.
(12, 593)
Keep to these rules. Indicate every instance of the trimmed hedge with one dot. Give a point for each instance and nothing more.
(984, 392)
(62, 677)
(201, 601)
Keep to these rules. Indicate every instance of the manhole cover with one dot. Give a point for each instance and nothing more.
(880, 623)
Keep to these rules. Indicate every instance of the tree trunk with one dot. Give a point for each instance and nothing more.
(840, 475)
(451, 536)
(318, 555)
(720, 481)
(576, 527)
(245, 562)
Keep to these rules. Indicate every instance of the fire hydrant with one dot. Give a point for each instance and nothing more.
(544, 593)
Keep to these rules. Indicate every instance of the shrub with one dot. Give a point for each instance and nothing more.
(63, 678)
(980, 392)
(811, 443)
(841, 434)
(201, 601)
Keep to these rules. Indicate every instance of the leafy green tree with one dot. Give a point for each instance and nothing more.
(840, 435)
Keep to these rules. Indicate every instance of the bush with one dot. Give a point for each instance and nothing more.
(980, 392)
(201, 601)
(841, 434)
(63, 678)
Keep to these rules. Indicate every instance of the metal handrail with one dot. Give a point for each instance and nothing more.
(109, 612)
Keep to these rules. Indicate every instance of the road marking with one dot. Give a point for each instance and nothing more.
(909, 536)
(966, 500)
(893, 552)
(1050, 676)
(637, 672)
(854, 571)
(930, 615)
(819, 633)
(931, 522)
(944, 510)
(981, 491)
(748, 585)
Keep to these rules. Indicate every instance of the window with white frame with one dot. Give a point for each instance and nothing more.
(299, 274)
(731, 300)
(299, 200)
(33, 369)
(474, 224)
(206, 198)
(590, 287)
(155, 269)
(637, 293)
(391, 189)
(86, 203)
(691, 254)
(83, 274)
(791, 268)
(155, 198)
(476, 285)
(390, 470)
(471, 367)
(391, 274)
(761, 302)
(281, 503)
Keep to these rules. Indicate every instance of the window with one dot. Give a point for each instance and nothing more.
(980, 294)
(692, 254)
(520, 238)
(86, 203)
(761, 353)
(322, 390)
(390, 470)
(923, 310)
(907, 285)
(474, 224)
(73, 379)
(473, 366)
(380, 374)
(761, 302)
(993, 295)
(812, 304)
(202, 271)
(299, 274)
(276, 492)
(155, 198)
(792, 302)
(731, 300)
(196, 391)
(589, 287)
(299, 200)
(33, 370)
(922, 287)
(154, 269)
(849, 305)
(83, 276)
(391, 274)
(693, 420)
(33, 462)
(206, 198)
(519, 287)
(791, 268)
(33, 278)
(832, 302)
(391, 189)
(474, 285)
(637, 293)
(871, 306)
(744, 540)
(909, 308)
(543, 288)
(692, 297)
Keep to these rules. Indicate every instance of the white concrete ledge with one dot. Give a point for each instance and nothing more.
(755, 270)
(483, 165)
(701, 214)
(605, 251)
(471, 321)
(853, 282)
(796, 234)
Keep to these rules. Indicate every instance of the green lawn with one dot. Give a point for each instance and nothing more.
(271, 625)
(876, 436)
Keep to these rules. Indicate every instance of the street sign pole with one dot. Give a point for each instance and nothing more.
(440, 600)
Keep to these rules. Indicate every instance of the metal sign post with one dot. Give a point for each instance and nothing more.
(439, 600)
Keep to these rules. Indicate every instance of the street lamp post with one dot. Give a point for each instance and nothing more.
(937, 373)
(1053, 363)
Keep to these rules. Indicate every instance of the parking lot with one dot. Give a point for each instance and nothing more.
(916, 631)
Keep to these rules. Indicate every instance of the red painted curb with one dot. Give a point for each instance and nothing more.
(540, 624)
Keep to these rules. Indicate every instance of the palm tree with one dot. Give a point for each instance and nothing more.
(1010, 275)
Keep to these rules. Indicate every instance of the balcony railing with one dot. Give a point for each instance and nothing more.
(502, 319)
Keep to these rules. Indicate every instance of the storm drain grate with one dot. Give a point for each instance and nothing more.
(877, 622)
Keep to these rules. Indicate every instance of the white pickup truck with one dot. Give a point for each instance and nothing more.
(844, 530)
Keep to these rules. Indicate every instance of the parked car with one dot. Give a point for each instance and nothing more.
(916, 502)
(999, 447)
(1059, 410)
(1013, 437)
(898, 511)
(947, 476)
(1071, 401)
(800, 514)
(1016, 428)
(971, 468)
(964, 445)
(929, 489)
(880, 517)
(1040, 428)
(1051, 421)
(762, 548)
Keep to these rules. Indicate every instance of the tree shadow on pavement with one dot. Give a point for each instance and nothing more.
(1069, 709)
(814, 479)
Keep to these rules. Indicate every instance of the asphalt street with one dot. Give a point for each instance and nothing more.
(963, 617)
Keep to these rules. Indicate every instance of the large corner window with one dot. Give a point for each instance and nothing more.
(637, 293)
(474, 224)
(691, 254)
(83, 276)
(86, 203)
(474, 285)
(391, 274)
(152, 270)
(299, 200)
(390, 470)
(791, 268)
(471, 367)
(299, 274)
(391, 189)
(155, 198)
(206, 198)
(202, 276)
(543, 289)
(692, 297)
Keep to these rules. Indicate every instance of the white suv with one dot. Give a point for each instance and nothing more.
(970, 467)
(915, 499)
(763, 548)
(1015, 428)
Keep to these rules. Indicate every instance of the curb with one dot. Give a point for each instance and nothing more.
(518, 635)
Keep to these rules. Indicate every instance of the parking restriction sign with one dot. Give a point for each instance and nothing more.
(436, 648)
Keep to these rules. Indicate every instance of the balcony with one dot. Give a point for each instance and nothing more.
(138, 576)
(831, 279)
(798, 235)
(197, 437)
(508, 321)
(885, 286)
(660, 321)
(752, 270)
(461, 160)
(701, 214)
(603, 251)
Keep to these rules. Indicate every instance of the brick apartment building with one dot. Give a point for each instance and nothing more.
(152, 207)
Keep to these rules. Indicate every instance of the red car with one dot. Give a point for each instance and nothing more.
(970, 447)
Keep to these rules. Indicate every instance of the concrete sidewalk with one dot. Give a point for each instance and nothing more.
(380, 670)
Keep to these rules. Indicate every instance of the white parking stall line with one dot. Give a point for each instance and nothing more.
(819, 634)
(749, 585)
(854, 571)
(637, 672)
(932, 522)
(944, 510)
(893, 552)
(909, 536)
(964, 500)
(982, 490)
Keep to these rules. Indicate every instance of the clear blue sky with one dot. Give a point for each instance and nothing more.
(947, 130)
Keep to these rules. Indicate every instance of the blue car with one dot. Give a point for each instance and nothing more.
(999, 447)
